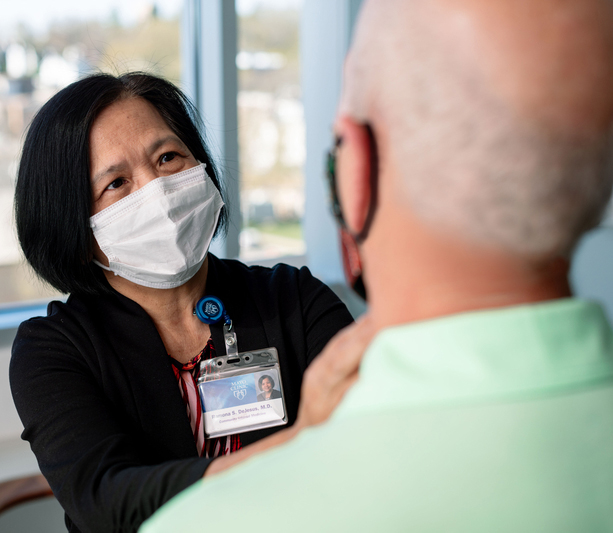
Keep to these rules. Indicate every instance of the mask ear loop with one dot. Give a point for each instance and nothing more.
(352, 263)
(103, 267)
(337, 210)
(374, 187)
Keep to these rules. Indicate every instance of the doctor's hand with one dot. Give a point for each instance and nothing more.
(333, 372)
(325, 383)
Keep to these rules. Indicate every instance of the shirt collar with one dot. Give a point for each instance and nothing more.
(511, 353)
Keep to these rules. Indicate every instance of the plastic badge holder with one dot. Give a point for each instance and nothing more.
(233, 390)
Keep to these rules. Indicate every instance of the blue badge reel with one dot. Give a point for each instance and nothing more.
(239, 392)
(210, 310)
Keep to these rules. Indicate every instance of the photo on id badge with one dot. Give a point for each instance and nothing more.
(268, 385)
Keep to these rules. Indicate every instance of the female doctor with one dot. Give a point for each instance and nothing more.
(116, 202)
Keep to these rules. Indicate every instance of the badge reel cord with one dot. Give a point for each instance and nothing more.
(210, 310)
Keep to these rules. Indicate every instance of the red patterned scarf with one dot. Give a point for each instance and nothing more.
(187, 378)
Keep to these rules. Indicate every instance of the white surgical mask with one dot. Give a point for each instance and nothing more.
(159, 235)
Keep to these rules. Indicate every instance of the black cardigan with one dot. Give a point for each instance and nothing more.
(100, 404)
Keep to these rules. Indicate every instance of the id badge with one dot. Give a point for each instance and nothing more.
(241, 392)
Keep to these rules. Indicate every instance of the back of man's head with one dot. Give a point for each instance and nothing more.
(496, 117)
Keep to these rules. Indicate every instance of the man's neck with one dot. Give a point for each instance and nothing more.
(422, 275)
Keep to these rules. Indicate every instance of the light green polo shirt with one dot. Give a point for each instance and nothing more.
(489, 421)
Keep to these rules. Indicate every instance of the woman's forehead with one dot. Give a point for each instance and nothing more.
(127, 115)
(130, 126)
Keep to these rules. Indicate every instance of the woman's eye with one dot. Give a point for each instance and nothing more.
(115, 184)
(168, 157)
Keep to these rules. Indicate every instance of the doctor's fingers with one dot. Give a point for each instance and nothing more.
(324, 380)
(343, 354)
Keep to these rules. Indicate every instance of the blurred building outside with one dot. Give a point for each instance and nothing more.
(271, 133)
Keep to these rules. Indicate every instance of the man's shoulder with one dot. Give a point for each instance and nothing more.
(386, 471)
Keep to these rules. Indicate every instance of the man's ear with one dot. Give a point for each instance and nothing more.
(353, 172)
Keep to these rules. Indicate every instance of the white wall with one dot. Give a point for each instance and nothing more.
(592, 271)
(325, 34)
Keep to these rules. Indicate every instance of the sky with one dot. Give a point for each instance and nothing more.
(37, 14)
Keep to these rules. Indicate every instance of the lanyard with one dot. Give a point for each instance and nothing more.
(211, 310)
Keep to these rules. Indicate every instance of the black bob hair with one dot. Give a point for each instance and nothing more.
(262, 378)
(53, 195)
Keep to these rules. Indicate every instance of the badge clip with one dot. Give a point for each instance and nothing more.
(211, 310)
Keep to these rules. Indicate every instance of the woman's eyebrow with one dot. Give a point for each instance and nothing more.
(160, 142)
(109, 170)
(152, 148)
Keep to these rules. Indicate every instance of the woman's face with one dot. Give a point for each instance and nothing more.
(266, 385)
(131, 145)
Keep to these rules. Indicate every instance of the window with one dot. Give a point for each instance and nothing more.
(271, 129)
(44, 47)
(47, 45)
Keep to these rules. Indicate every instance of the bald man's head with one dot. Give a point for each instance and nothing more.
(496, 116)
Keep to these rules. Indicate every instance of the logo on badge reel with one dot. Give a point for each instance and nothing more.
(240, 394)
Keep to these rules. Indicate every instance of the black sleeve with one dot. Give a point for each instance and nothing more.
(323, 312)
(83, 443)
(108, 472)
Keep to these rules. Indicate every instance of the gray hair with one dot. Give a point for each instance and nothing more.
(469, 161)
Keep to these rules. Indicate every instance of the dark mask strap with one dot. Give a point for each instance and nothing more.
(374, 182)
